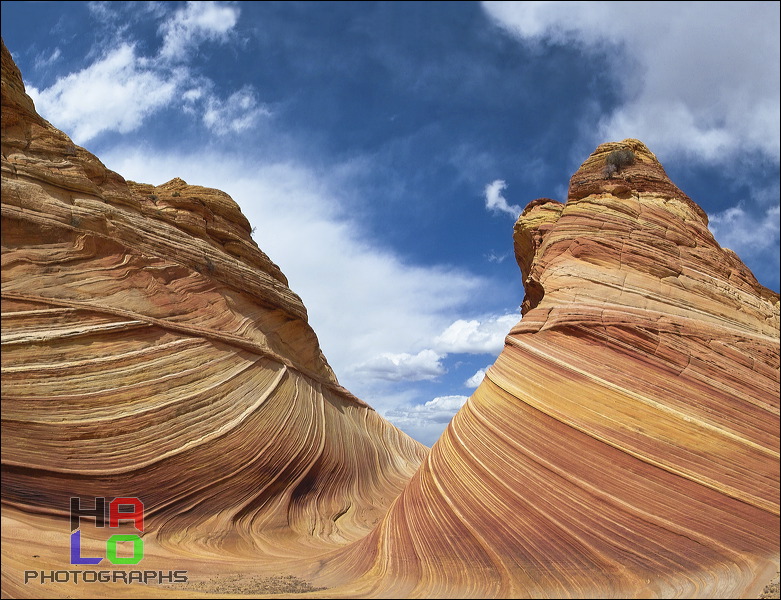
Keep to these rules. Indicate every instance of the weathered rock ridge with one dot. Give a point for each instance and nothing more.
(624, 444)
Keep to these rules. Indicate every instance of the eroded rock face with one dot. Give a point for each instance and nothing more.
(150, 349)
(626, 441)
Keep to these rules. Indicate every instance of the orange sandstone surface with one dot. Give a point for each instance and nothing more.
(624, 444)
(151, 350)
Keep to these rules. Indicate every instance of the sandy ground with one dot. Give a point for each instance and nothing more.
(250, 584)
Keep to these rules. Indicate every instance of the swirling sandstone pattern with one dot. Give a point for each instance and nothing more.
(150, 349)
(624, 444)
(626, 441)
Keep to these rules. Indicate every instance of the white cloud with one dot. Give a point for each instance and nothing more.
(495, 202)
(698, 77)
(122, 92)
(42, 61)
(375, 315)
(424, 366)
(238, 113)
(425, 421)
(496, 258)
(192, 95)
(444, 404)
(476, 379)
(102, 11)
(125, 88)
(476, 337)
(193, 24)
(745, 233)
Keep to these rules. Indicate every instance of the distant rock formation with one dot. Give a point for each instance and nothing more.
(624, 444)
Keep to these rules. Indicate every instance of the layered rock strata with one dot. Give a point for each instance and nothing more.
(150, 349)
(624, 444)
(626, 441)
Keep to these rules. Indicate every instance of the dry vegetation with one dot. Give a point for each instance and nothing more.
(771, 590)
(250, 584)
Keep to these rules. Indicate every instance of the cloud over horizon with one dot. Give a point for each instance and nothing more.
(123, 92)
(193, 24)
(426, 421)
(126, 87)
(697, 78)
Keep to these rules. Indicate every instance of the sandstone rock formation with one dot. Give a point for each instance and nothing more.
(624, 444)
(626, 441)
(150, 349)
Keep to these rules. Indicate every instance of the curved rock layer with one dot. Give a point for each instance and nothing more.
(150, 349)
(626, 441)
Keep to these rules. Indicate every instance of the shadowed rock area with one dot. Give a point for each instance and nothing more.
(624, 444)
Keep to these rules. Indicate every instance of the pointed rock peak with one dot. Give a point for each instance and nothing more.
(175, 183)
(13, 92)
(11, 73)
(623, 169)
(625, 220)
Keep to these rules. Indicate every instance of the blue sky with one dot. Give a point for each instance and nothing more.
(384, 150)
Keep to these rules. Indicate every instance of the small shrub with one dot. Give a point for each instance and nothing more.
(176, 194)
(617, 160)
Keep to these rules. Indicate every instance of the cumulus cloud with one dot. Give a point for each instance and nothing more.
(425, 421)
(122, 92)
(193, 24)
(745, 233)
(476, 379)
(425, 365)
(475, 336)
(126, 87)
(496, 203)
(238, 113)
(485, 336)
(698, 78)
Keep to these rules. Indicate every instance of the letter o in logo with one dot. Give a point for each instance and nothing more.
(138, 549)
